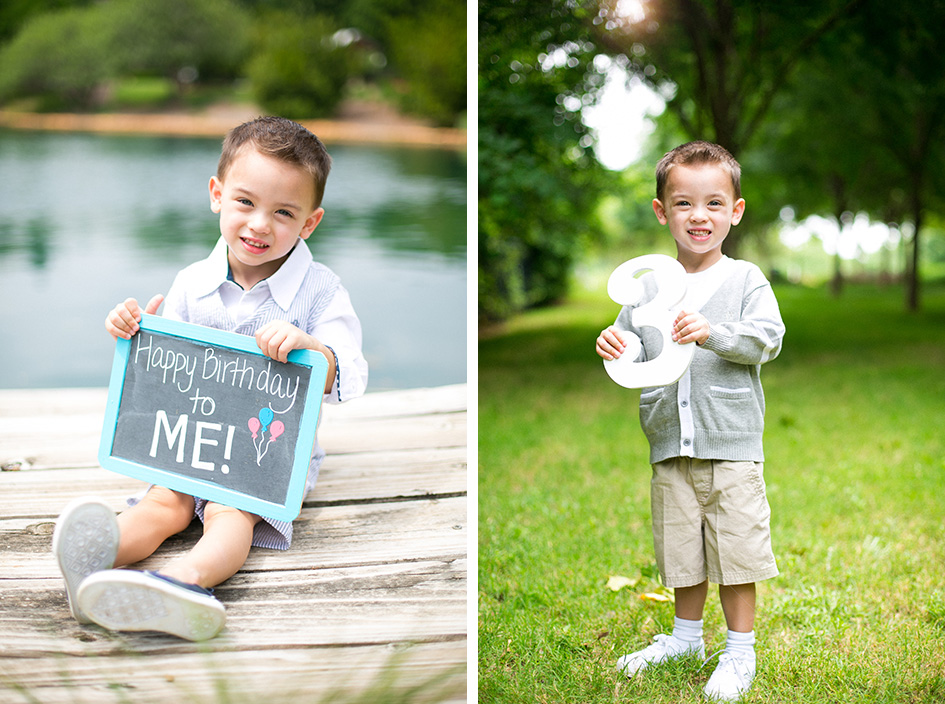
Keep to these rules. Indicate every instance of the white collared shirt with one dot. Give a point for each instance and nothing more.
(302, 291)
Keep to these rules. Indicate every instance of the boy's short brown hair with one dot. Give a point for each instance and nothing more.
(282, 139)
(694, 153)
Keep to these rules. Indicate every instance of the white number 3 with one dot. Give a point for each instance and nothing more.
(626, 289)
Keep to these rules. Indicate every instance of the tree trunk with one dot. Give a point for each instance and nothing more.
(836, 283)
(912, 269)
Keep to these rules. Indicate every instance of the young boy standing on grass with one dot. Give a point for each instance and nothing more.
(259, 280)
(710, 512)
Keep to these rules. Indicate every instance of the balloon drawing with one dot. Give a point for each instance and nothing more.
(258, 426)
(265, 417)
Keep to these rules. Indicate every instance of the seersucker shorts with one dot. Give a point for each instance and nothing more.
(711, 520)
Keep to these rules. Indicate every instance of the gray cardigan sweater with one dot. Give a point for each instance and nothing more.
(716, 410)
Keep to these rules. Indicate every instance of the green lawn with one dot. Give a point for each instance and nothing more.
(855, 445)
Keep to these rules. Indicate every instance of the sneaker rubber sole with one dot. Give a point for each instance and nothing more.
(125, 600)
(85, 541)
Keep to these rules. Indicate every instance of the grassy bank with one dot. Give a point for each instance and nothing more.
(856, 479)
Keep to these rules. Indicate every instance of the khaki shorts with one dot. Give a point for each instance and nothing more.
(711, 520)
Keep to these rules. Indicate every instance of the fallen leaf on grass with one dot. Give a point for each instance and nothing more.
(662, 594)
(616, 583)
(653, 596)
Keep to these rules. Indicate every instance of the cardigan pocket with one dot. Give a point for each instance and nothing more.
(653, 396)
(656, 412)
(733, 394)
(728, 409)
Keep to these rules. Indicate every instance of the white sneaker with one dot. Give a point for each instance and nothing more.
(125, 600)
(85, 541)
(665, 647)
(732, 678)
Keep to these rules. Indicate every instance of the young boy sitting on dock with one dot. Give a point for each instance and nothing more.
(267, 191)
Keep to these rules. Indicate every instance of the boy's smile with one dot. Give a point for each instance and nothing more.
(700, 235)
(265, 205)
(700, 208)
(254, 246)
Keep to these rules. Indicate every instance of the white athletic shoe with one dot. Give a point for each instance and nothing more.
(85, 541)
(732, 678)
(665, 647)
(125, 600)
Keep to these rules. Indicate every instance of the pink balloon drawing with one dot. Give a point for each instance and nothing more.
(259, 425)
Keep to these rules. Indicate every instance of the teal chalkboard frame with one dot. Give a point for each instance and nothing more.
(286, 510)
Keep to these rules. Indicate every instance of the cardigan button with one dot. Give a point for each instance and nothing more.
(684, 403)
(687, 442)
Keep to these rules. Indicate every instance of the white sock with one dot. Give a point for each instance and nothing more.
(740, 643)
(687, 631)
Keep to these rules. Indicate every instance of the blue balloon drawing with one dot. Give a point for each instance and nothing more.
(265, 417)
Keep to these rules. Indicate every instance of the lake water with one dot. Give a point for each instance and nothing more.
(89, 220)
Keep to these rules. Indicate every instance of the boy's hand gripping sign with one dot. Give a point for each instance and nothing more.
(204, 412)
(626, 288)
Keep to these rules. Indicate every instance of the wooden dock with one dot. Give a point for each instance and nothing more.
(368, 605)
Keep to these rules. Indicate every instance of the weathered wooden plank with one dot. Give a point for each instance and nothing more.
(77, 444)
(387, 474)
(25, 437)
(28, 443)
(362, 605)
(284, 676)
(401, 404)
(328, 536)
(378, 560)
(50, 427)
(368, 476)
(44, 403)
(440, 430)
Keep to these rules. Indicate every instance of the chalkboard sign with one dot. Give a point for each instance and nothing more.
(203, 411)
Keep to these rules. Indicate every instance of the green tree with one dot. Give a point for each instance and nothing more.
(902, 50)
(298, 69)
(428, 50)
(815, 148)
(14, 14)
(422, 45)
(862, 128)
(177, 39)
(374, 17)
(59, 57)
(538, 181)
(67, 55)
(720, 62)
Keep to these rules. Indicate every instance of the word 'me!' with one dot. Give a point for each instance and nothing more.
(205, 435)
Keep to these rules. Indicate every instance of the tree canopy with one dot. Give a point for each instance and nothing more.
(299, 56)
(538, 180)
(832, 107)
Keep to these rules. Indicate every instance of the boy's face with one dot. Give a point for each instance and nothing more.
(265, 205)
(700, 208)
